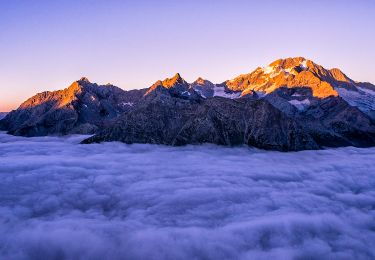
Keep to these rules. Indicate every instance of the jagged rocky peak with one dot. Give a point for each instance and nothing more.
(171, 82)
(82, 83)
(68, 95)
(75, 88)
(83, 108)
(84, 79)
(201, 81)
(306, 71)
(291, 73)
(289, 63)
(203, 87)
(289, 67)
(58, 98)
(176, 83)
(338, 75)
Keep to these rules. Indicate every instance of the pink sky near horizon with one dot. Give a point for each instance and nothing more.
(46, 45)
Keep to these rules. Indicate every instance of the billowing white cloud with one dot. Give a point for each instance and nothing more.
(63, 200)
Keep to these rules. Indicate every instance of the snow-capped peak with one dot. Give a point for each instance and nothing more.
(268, 69)
(303, 64)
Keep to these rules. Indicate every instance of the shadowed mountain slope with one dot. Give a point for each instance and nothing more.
(166, 119)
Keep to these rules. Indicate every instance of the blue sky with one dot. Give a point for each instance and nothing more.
(46, 45)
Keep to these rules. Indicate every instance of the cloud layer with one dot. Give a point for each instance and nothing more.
(62, 200)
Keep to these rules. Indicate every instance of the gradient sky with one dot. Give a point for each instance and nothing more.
(46, 45)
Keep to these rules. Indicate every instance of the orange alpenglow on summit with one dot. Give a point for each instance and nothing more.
(290, 72)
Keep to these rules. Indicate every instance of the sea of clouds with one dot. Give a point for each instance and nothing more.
(63, 200)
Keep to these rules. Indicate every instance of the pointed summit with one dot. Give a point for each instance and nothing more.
(170, 82)
(339, 75)
(292, 62)
(175, 86)
(200, 81)
(294, 72)
(177, 76)
(84, 79)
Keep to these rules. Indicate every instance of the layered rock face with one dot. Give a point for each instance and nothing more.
(292, 104)
(82, 108)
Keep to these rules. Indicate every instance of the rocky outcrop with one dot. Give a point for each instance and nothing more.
(82, 108)
(175, 86)
(207, 89)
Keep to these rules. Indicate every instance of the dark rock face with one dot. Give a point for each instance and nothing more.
(80, 109)
(333, 122)
(235, 122)
(330, 121)
(204, 87)
(165, 119)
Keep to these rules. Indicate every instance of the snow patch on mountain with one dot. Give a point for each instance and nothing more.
(127, 104)
(300, 104)
(184, 93)
(268, 70)
(364, 99)
(289, 71)
(220, 92)
(368, 91)
(201, 93)
(273, 72)
(304, 64)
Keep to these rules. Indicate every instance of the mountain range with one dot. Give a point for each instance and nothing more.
(292, 104)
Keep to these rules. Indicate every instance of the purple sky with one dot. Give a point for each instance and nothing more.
(46, 45)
